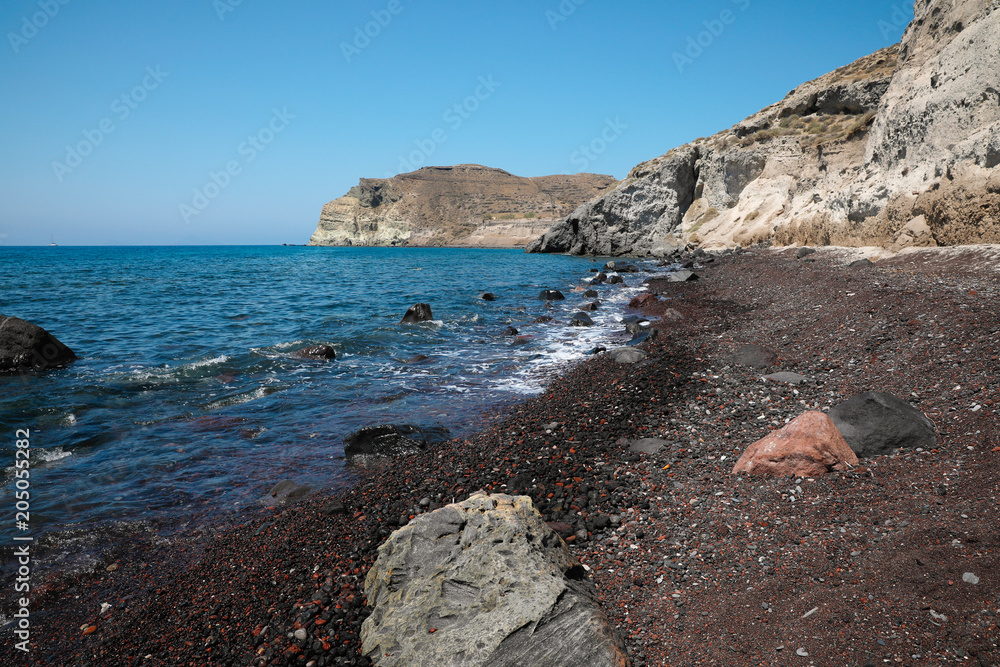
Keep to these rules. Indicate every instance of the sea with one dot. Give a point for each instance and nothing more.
(188, 402)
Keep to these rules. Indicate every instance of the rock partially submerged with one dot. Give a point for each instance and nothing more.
(28, 347)
(318, 352)
(285, 492)
(808, 446)
(388, 440)
(484, 582)
(551, 295)
(877, 423)
(420, 312)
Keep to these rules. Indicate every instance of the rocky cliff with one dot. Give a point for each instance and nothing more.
(464, 205)
(899, 148)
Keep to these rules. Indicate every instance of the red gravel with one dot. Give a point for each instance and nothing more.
(695, 566)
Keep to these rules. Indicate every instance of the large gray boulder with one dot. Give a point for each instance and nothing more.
(25, 347)
(484, 582)
(876, 423)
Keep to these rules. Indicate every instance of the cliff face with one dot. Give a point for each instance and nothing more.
(898, 148)
(464, 205)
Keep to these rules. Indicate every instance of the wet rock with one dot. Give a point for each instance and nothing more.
(591, 294)
(420, 312)
(621, 267)
(544, 319)
(25, 346)
(417, 358)
(684, 276)
(484, 582)
(581, 320)
(785, 377)
(644, 336)
(488, 296)
(808, 446)
(616, 280)
(627, 355)
(319, 352)
(551, 295)
(753, 355)
(392, 440)
(510, 331)
(285, 492)
(599, 279)
(877, 423)
(643, 301)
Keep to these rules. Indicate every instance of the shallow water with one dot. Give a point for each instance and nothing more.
(187, 402)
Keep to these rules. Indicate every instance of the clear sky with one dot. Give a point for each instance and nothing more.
(234, 121)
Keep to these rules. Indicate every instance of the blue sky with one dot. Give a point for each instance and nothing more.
(234, 121)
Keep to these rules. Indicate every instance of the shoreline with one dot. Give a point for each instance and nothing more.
(671, 572)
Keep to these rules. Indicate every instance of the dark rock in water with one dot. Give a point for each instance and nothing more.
(510, 331)
(486, 582)
(684, 276)
(753, 355)
(597, 350)
(591, 307)
(591, 294)
(321, 352)
(581, 320)
(616, 280)
(417, 358)
(551, 295)
(633, 319)
(804, 252)
(392, 440)
(285, 492)
(637, 327)
(860, 264)
(544, 319)
(421, 312)
(644, 337)
(520, 340)
(25, 347)
(621, 267)
(488, 296)
(593, 270)
(599, 278)
(875, 423)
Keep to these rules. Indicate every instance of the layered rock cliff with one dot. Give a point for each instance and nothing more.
(464, 205)
(896, 149)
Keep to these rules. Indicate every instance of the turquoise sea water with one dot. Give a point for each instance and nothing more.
(187, 403)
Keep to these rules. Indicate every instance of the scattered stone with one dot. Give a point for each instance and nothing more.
(25, 347)
(627, 355)
(488, 296)
(319, 352)
(420, 312)
(643, 301)
(785, 377)
(648, 445)
(671, 315)
(392, 440)
(492, 584)
(808, 446)
(801, 652)
(876, 423)
(551, 295)
(753, 355)
(333, 507)
(684, 276)
(970, 578)
(285, 492)
(581, 320)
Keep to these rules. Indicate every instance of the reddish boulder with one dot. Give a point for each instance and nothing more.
(642, 301)
(809, 446)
